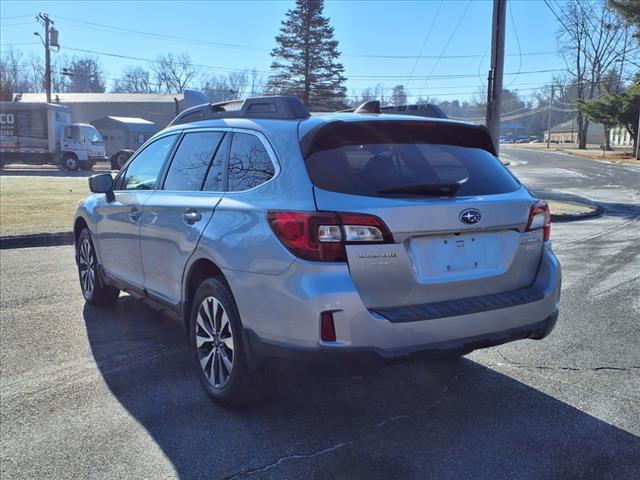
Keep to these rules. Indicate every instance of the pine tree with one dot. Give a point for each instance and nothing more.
(306, 59)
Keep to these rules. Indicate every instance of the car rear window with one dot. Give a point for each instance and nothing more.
(385, 158)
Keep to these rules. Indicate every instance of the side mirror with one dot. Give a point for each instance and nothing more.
(102, 183)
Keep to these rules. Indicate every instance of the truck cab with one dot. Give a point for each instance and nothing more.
(81, 146)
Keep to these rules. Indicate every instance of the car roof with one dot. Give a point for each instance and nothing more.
(316, 119)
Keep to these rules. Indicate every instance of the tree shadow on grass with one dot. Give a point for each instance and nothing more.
(447, 419)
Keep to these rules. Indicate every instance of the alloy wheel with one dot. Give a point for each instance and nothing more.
(214, 342)
(87, 266)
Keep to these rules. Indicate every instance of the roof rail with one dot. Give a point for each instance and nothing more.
(276, 106)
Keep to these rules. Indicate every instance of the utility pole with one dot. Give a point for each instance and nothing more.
(494, 87)
(49, 34)
(549, 119)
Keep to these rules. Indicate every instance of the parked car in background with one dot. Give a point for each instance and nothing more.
(336, 242)
(41, 133)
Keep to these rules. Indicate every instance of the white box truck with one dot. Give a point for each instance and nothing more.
(42, 133)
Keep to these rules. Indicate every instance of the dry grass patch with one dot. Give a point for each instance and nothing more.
(39, 204)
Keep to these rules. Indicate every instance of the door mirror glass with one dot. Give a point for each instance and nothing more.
(101, 183)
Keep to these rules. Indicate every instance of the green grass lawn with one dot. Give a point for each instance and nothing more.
(39, 204)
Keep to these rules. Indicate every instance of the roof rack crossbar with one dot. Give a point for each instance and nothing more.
(276, 106)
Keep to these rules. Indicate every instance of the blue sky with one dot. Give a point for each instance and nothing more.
(369, 33)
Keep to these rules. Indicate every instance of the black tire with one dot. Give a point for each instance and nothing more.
(94, 291)
(114, 165)
(121, 159)
(243, 385)
(70, 162)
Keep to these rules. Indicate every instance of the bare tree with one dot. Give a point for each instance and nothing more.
(232, 86)
(592, 38)
(217, 88)
(399, 95)
(238, 82)
(173, 73)
(256, 83)
(14, 71)
(134, 80)
(372, 93)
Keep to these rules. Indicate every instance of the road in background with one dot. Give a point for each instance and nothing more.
(110, 393)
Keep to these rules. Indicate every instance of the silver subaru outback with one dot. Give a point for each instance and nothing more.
(334, 242)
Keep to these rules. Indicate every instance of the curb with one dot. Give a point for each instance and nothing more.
(36, 240)
(567, 197)
(66, 238)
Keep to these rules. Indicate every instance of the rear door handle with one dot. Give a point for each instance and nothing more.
(134, 215)
(192, 216)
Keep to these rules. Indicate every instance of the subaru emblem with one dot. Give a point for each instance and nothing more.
(470, 216)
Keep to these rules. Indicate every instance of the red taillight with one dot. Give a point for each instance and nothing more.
(327, 328)
(321, 236)
(540, 217)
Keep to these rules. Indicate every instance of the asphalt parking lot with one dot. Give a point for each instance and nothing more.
(91, 393)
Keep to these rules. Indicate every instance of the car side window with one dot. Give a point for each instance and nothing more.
(144, 170)
(249, 163)
(215, 177)
(191, 161)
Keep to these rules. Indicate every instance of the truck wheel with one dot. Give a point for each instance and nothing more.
(70, 162)
(121, 159)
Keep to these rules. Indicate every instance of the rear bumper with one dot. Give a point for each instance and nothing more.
(284, 311)
(356, 360)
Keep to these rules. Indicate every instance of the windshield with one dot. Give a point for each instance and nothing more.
(93, 135)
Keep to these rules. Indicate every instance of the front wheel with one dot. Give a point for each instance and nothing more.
(218, 351)
(94, 291)
(70, 162)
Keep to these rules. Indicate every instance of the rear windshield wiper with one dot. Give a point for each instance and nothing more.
(425, 189)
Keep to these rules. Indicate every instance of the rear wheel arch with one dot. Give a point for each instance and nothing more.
(198, 272)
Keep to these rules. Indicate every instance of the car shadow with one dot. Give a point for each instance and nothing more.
(444, 419)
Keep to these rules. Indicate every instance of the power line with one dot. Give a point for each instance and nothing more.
(559, 19)
(455, 30)
(352, 77)
(160, 35)
(453, 75)
(424, 42)
(19, 16)
(127, 31)
(16, 24)
(149, 60)
(515, 31)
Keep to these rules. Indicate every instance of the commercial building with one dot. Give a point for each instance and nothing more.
(87, 107)
(567, 132)
(124, 132)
